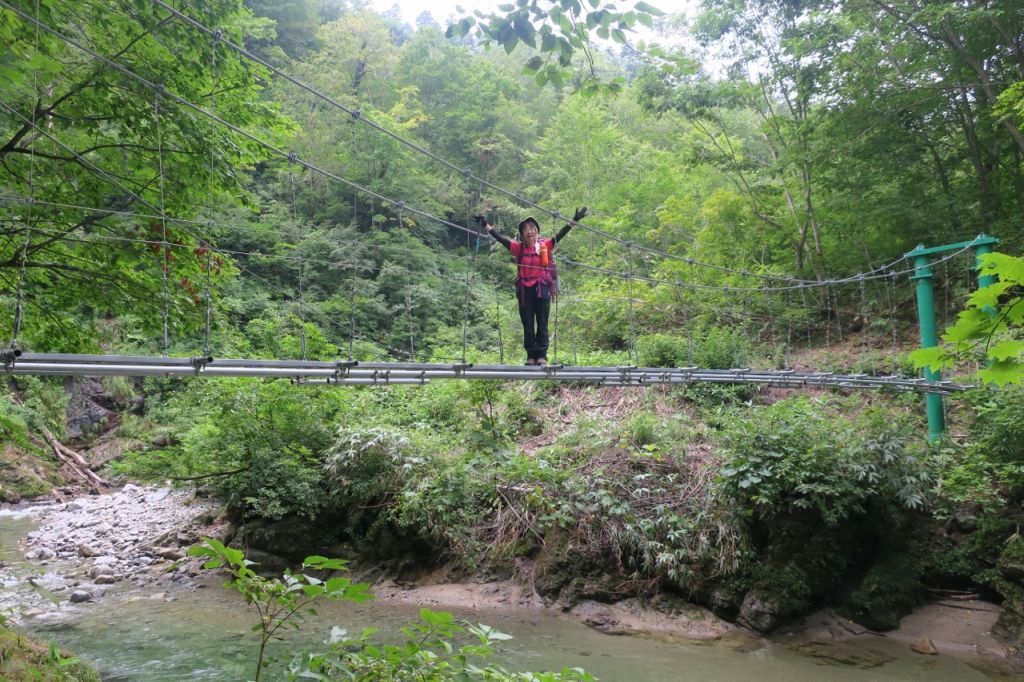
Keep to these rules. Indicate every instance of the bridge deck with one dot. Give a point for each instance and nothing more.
(349, 372)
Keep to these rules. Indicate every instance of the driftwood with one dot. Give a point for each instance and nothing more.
(74, 461)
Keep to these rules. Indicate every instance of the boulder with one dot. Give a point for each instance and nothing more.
(79, 596)
(760, 611)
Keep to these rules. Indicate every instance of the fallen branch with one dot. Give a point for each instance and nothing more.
(74, 461)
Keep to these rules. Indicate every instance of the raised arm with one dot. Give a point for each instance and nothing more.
(498, 237)
(580, 215)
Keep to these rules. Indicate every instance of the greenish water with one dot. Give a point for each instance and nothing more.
(205, 635)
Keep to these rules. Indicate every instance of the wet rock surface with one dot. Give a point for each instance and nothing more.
(132, 538)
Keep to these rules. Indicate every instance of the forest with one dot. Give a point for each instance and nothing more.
(298, 181)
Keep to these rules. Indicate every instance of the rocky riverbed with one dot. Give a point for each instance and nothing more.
(135, 537)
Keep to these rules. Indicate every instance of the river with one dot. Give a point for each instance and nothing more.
(205, 634)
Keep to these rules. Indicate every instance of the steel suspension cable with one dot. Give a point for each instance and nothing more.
(357, 115)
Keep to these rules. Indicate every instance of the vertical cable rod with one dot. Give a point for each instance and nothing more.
(891, 287)
(292, 157)
(23, 264)
(471, 200)
(210, 191)
(164, 245)
(693, 308)
(835, 306)
(633, 350)
(787, 355)
(352, 305)
(865, 337)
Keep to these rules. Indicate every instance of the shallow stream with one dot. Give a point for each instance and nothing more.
(205, 634)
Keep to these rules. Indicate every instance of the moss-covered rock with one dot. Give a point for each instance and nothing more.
(24, 473)
(27, 659)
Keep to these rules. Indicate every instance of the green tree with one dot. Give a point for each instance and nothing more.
(81, 142)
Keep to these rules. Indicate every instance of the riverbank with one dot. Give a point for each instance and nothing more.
(131, 543)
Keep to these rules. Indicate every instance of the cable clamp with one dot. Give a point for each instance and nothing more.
(198, 362)
(217, 35)
(357, 114)
(467, 172)
(292, 157)
(9, 355)
(342, 367)
(461, 367)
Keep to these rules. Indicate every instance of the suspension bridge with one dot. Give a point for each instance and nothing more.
(916, 265)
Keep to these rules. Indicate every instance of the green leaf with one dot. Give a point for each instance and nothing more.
(935, 358)
(989, 296)
(1006, 267)
(648, 8)
(972, 323)
(1006, 350)
(1002, 372)
(618, 36)
(336, 584)
(525, 31)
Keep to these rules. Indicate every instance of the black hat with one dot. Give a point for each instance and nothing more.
(529, 219)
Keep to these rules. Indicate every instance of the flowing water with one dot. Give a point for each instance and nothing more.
(205, 634)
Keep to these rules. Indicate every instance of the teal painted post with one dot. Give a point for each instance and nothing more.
(979, 251)
(929, 339)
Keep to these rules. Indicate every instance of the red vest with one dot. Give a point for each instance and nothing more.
(530, 269)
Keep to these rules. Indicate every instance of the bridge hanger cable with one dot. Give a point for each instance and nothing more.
(114, 181)
(164, 249)
(357, 115)
(214, 78)
(692, 283)
(23, 266)
(800, 283)
(310, 166)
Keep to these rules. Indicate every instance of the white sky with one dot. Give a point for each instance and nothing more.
(440, 9)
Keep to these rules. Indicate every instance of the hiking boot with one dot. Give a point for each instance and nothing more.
(540, 361)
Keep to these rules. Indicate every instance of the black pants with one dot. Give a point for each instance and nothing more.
(533, 312)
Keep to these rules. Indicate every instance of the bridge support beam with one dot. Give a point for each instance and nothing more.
(929, 337)
(923, 276)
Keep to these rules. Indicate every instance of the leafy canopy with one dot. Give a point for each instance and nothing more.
(558, 30)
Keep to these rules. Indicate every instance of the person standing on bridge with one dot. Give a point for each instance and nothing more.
(536, 279)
